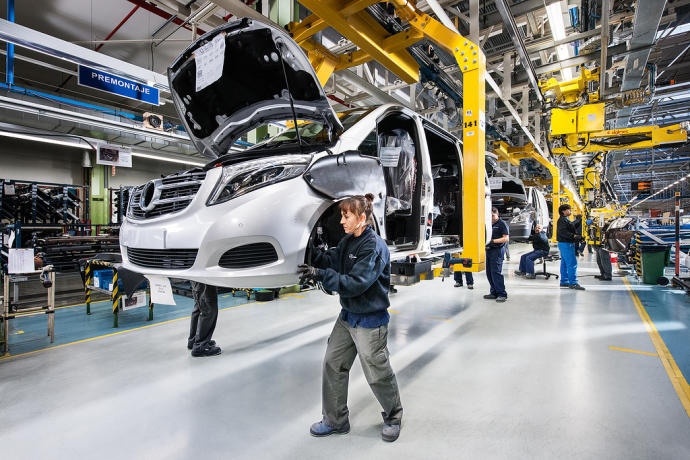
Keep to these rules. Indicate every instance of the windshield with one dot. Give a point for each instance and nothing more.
(511, 186)
(312, 132)
(507, 205)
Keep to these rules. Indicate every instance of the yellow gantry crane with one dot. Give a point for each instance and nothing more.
(375, 43)
(578, 116)
(577, 119)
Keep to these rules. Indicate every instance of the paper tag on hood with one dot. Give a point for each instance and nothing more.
(209, 62)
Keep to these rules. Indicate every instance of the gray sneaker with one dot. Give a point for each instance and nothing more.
(390, 433)
(530, 276)
(501, 299)
(577, 287)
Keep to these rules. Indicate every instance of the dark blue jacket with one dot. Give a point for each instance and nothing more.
(359, 270)
(540, 242)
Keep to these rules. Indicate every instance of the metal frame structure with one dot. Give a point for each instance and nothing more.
(47, 309)
(349, 19)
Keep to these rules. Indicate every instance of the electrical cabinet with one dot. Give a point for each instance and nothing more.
(590, 118)
(563, 122)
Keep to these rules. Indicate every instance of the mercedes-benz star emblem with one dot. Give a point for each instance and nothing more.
(146, 201)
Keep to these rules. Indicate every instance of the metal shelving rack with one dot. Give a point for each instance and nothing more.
(47, 309)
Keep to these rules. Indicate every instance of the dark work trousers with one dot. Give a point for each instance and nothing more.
(527, 260)
(604, 262)
(494, 267)
(371, 344)
(204, 315)
(457, 276)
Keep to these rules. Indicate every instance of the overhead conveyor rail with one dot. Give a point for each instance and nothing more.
(375, 43)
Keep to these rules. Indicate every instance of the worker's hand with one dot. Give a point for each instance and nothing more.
(307, 273)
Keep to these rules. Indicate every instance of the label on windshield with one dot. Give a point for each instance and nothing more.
(209, 62)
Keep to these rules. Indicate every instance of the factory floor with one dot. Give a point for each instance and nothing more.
(550, 373)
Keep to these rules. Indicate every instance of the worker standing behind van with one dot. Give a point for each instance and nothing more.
(495, 251)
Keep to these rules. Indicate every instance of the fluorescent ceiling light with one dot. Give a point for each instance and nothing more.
(554, 12)
(555, 15)
(167, 159)
(47, 140)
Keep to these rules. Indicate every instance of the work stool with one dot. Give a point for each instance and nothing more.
(549, 258)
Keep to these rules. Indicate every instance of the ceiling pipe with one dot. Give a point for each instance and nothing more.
(519, 43)
(117, 27)
(9, 62)
(112, 32)
(163, 14)
(605, 10)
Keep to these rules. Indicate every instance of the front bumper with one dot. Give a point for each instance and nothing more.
(281, 214)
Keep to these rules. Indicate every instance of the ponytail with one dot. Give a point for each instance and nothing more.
(360, 204)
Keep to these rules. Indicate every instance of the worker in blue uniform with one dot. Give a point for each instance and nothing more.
(540, 248)
(495, 251)
(358, 268)
(567, 236)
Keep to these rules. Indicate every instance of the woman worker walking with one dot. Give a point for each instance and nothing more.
(359, 270)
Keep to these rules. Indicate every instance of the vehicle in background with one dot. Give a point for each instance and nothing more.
(491, 163)
(248, 218)
(522, 208)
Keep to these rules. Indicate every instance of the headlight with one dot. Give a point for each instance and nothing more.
(520, 218)
(242, 178)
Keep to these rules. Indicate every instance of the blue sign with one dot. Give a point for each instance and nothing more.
(117, 85)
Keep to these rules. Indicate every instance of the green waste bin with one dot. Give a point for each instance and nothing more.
(654, 258)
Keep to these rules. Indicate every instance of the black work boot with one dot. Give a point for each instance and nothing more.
(208, 350)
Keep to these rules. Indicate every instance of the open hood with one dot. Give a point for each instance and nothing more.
(251, 90)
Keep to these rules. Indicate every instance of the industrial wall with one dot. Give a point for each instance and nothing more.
(41, 162)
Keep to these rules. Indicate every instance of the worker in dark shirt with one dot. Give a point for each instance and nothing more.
(494, 257)
(540, 248)
(567, 237)
(359, 270)
(603, 258)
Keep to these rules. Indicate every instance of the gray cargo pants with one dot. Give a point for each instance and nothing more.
(344, 344)
(204, 315)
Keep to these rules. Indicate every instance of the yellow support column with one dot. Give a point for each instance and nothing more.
(473, 166)
(472, 64)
